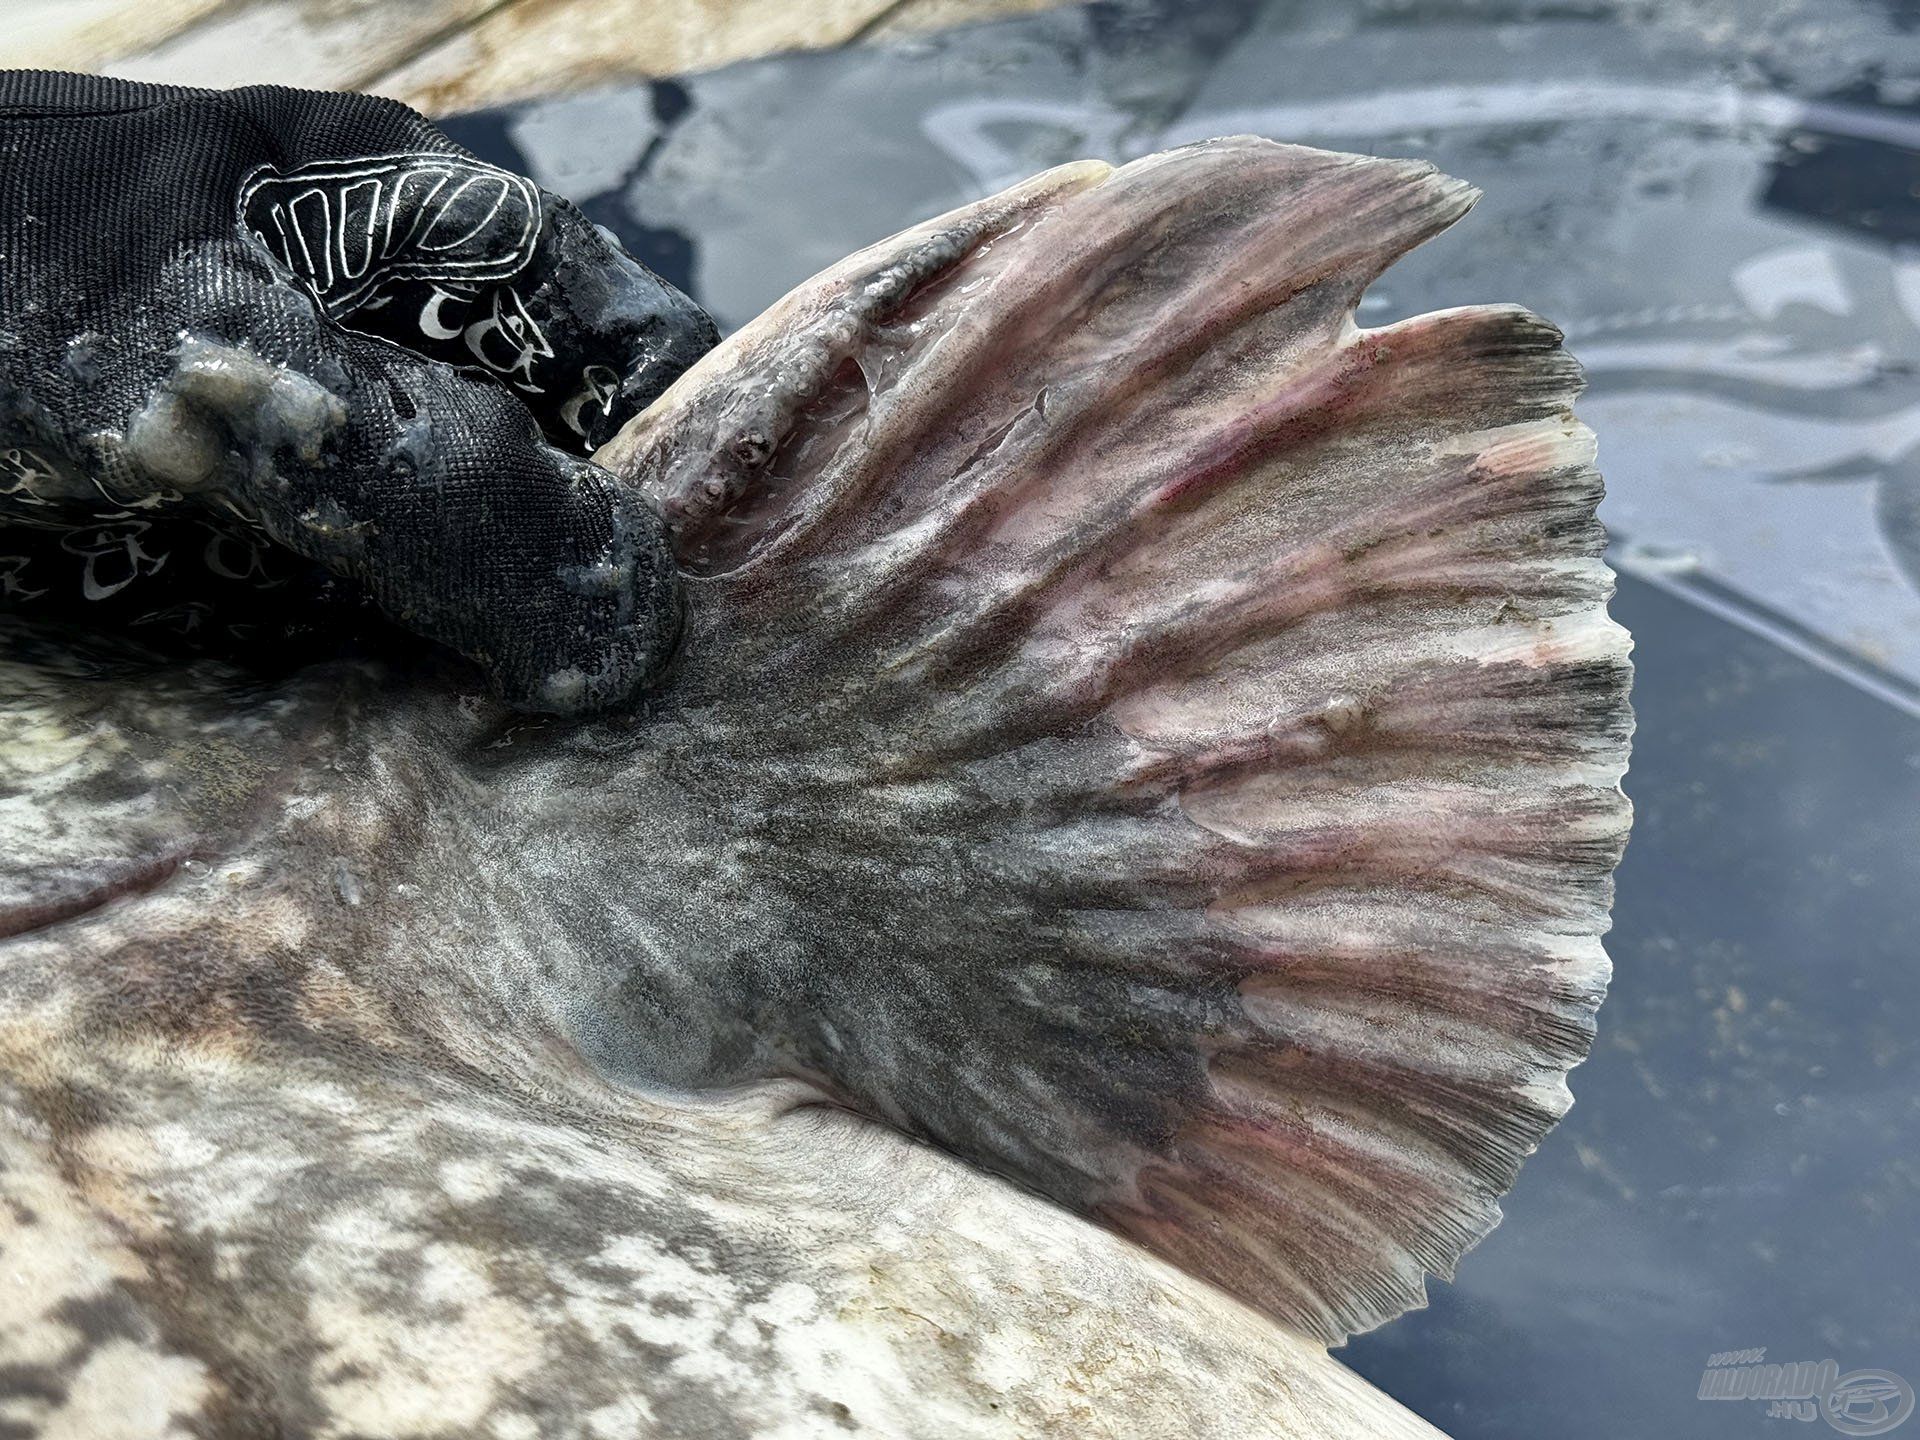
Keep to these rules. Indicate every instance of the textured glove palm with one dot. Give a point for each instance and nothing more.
(235, 324)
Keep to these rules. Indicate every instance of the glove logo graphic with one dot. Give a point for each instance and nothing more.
(115, 556)
(12, 587)
(506, 341)
(352, 229)
(599, 386)
(29, 478)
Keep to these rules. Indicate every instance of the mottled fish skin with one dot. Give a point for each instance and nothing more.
(376, 1062)
(295, 1142)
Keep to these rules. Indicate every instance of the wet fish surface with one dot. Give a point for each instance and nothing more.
(1102, 907)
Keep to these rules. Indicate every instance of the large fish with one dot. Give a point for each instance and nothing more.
(1103, 906)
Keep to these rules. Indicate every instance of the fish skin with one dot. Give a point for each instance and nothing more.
(376, 1062)
(265, 1170)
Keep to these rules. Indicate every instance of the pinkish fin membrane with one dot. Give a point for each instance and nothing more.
(1183, 728)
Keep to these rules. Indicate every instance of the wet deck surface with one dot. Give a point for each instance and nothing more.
(1716, 199)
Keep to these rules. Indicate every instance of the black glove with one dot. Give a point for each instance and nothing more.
(231, 317)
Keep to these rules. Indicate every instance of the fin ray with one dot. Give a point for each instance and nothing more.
(1185, 726)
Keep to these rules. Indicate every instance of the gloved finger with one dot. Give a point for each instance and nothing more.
(430, 487)
(415, 241)
(160, 362)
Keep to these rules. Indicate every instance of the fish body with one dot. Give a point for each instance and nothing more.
(1101, 907)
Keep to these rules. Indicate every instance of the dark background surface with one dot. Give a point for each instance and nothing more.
(1715, 199)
